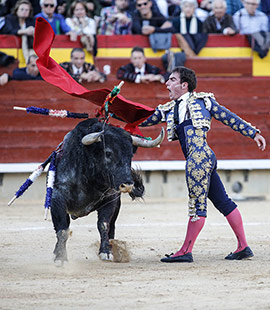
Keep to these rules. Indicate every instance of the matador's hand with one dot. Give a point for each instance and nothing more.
(259, 139)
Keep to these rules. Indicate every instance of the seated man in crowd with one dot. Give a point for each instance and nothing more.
(115, 19)
(254, 23)
(189, 29)
(80, 70)
(146, 21)
(30, 72)
(138, 70)
(57, 21)
(249, 19)
(219, 21)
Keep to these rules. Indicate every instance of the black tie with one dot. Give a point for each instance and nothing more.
(176, 112)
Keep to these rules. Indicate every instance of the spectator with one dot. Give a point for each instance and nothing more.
(82, 25)
(147, 21)
(22, 23)
(254, 23)
(249, 19)
(30, 72)
(219, 21)
(93, 7)
(115, 19)
(138, 70)
(80, 70)
(56, 21)
(191, 38)
(233, 6)
(10, 4)
(61, 7)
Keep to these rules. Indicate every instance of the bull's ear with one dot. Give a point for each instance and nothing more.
(92, 138)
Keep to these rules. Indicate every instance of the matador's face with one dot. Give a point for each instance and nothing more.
(175, 87)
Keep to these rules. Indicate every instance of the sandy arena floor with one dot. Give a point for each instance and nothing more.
(29, 280)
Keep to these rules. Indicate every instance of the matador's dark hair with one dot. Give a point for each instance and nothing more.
(187, 75)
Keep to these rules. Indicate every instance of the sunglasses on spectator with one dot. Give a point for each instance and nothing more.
(141, 4)
(47, 4)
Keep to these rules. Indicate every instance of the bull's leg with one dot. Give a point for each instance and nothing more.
(106, 225)
(61, 221)
(114, 218)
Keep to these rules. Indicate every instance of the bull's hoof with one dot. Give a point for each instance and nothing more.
(59, 262)
(60, 251)
(106, 256)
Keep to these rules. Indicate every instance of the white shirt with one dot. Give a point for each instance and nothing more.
(182, 109)
(247, 24)
(141, 71)
(77, 70)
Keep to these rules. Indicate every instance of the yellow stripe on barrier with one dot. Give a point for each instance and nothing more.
(226, 52)
(10, 51)
(261, 67)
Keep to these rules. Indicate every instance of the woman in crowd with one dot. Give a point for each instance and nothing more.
(22, 23)
(83, 25)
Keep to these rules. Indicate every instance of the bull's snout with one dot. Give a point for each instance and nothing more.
(126, 188)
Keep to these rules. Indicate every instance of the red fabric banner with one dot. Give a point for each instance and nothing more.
(131, 112)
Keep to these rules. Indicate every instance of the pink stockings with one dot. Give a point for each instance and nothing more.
(194, 228)
(236, 223)
(193, 231)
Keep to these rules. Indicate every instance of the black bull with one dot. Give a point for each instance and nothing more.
(92, 170)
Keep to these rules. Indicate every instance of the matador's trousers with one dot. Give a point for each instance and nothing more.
(202, 178)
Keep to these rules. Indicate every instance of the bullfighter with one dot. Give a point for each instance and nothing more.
(188, 116)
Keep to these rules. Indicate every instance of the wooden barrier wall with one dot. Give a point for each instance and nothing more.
(31, 138)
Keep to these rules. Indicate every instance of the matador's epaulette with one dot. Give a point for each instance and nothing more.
(202, 95)
(166, 106)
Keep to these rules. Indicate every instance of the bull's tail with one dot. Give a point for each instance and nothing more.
(138, 188)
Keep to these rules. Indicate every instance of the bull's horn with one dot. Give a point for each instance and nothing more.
(92, 138)
(148, 143)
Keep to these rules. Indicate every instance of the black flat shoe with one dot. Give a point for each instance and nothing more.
(186, 258)
(246, 253)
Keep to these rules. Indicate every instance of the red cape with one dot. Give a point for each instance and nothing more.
(131, 112)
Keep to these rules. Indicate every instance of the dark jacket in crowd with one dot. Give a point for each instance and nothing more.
(157, 21)
(12, 26)
(210, 25)
(127, 72)
(20, 74)
(177, 23)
